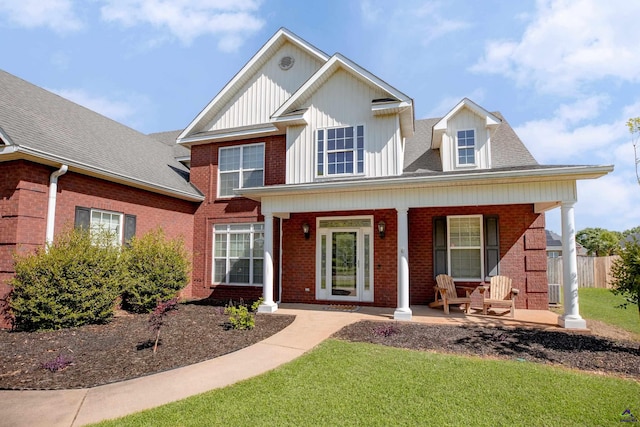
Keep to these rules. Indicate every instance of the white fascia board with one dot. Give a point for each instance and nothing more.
(75, 166)
(6, 140)
(238, 133)
(571, 172)
(389, 107)
(278, 38)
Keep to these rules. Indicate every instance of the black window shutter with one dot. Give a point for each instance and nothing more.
(129, 228)
(491, 246)
(440, 246)
(83, 218)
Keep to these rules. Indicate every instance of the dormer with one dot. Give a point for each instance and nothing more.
(463, 137)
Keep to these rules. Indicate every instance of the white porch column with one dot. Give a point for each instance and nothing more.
(571, 317)
(403, 312)
(268, 305)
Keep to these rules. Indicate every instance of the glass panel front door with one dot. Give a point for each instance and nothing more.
(344, 264)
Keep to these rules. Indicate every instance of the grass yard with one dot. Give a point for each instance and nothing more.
(342, 383)
(601, 304)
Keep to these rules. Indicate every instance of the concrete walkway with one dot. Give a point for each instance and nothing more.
(313, 324)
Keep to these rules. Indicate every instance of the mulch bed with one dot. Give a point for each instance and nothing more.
(572, 350)
(123, 349)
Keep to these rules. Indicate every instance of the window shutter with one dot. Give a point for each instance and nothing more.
(440, 246)
(83, 218)
(491, 246)
(129, 228)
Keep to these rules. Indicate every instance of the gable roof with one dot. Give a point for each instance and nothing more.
(228, 91)
(440, 127)
(395, 102)
(46, 128)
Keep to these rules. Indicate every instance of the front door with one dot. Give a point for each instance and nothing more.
(344, 259)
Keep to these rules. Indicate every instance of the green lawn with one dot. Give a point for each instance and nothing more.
(601, 304)
(342, 383)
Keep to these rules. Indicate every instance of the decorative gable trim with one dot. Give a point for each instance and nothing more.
(396, 101)
(273, 44)
(439, 128)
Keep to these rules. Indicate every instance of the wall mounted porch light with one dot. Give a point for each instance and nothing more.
(305, 230)
(382, 227)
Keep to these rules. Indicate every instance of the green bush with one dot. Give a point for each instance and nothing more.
(626, 273)
(240, 317)
(157, 269)
(74, 281)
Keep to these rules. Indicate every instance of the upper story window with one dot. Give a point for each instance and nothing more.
(466, 147)
(340, 151)
(240, 167)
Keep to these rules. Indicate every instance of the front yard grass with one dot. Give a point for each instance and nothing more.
(341, 383)
(601, 304)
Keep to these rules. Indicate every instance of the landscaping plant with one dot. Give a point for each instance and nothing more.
(626, 273)
(240, 317)
(57, 364)
(72, 282)
(158, 317)
(157, 269)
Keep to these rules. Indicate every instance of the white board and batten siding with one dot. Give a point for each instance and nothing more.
(465, 119)
(344, 101)
(266, 90)
(466, 194)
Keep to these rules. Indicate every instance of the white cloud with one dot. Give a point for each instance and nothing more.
(120, 111)
(562, 140)
(568, 44)
(58, 15)
(229, 20)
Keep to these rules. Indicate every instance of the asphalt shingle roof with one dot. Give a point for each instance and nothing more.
(43, 122)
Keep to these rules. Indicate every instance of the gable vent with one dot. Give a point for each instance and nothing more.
(286, 62)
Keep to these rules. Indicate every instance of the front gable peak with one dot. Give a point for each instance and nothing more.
(232, 90)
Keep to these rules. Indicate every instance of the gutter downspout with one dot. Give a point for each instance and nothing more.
(51, 208)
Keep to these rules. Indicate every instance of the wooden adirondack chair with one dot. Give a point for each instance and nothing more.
(446, 294)
(501, 294)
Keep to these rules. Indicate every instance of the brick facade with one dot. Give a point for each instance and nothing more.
(524, 263)
(24, 198)
(204, 175)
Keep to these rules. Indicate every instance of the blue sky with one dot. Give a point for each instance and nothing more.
(565, 74)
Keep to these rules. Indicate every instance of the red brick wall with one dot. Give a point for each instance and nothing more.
(299, 258)
(24, 192)
(522, 251)
(204, 175)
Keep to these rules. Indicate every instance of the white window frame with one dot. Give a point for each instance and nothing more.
(240, 171)
(354, 150)
(228, 229)
(458, 148)
(118, 233)
(480, 248)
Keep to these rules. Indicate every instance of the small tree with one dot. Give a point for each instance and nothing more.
(598, 241)
(626, 273)
(158, 317)
(634, 128)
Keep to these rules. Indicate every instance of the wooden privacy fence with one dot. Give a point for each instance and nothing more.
(593, 272)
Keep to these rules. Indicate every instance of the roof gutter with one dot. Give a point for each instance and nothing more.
(51, 208)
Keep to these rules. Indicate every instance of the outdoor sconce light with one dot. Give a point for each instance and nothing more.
(382, 227)
(305, 230)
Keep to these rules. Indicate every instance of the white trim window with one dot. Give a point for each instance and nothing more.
(238, 254)
(107, 222)
(340, 151)
(465, 246)
(240, 167)
(466, 147)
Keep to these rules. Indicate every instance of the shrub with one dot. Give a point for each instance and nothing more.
(626, 274)
(157, 269)
(72, 282)
(240, 317)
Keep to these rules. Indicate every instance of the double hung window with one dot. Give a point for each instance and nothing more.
(116, 227)
(340, 151)
(238, 254)
(466, 147)
(240, 167)
(465, 246)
